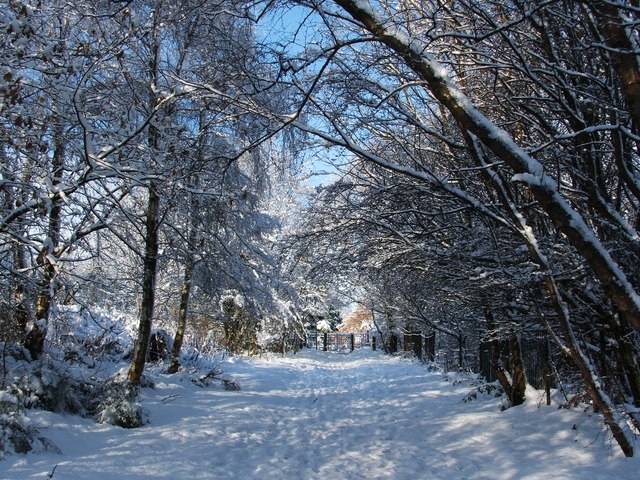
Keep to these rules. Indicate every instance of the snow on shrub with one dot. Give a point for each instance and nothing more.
(120, 405)
(79, 375)
(17, 435)
(231, 303)
(160, 343)
(485, 390)
(323, 326)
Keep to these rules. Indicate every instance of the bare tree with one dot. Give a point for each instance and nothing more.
(512, 125)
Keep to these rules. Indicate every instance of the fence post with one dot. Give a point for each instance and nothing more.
(325, 339)
(373, 343)
(417, 345)
(431, 348)
(393, 343)
(353, 342)
(547, 373)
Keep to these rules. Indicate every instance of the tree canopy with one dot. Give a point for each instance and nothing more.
(481, 177)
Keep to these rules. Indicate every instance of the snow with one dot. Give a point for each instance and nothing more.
(323, 326)
(323, 415)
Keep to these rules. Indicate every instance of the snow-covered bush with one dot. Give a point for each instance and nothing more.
(280, 341)
(240, 327)
(16, 435)
(51, 387)
(271, 342)
(93, 333)
(56, 390)
(486, 390)
(160, 345)
(84, 372)
(323, 326)
(48, 386)
(72, 377)
(120, 406)
(231, 303)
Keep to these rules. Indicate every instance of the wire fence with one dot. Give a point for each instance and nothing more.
(535, 354)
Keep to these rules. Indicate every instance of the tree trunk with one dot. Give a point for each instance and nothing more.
(569, 347)
(152, 222)
(629, 363)
(461, 345)
(21, 314)
(518, 378)
(189, 264)
(600, 399)
(513, 383)
(21, 310)
(183, 310)
(148, 286)
(623, 50)
(35, 337)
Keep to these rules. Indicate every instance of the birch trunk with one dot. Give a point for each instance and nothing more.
(35, 337)
(184, 303)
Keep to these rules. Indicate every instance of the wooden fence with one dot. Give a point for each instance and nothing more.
(335, 341)
(423, 346)
(535, 352)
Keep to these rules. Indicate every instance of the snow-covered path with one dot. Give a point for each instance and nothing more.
(328, 416)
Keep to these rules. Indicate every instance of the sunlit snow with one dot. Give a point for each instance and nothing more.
(323, 415)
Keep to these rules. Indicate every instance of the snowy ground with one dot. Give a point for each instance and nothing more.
(328, 416)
